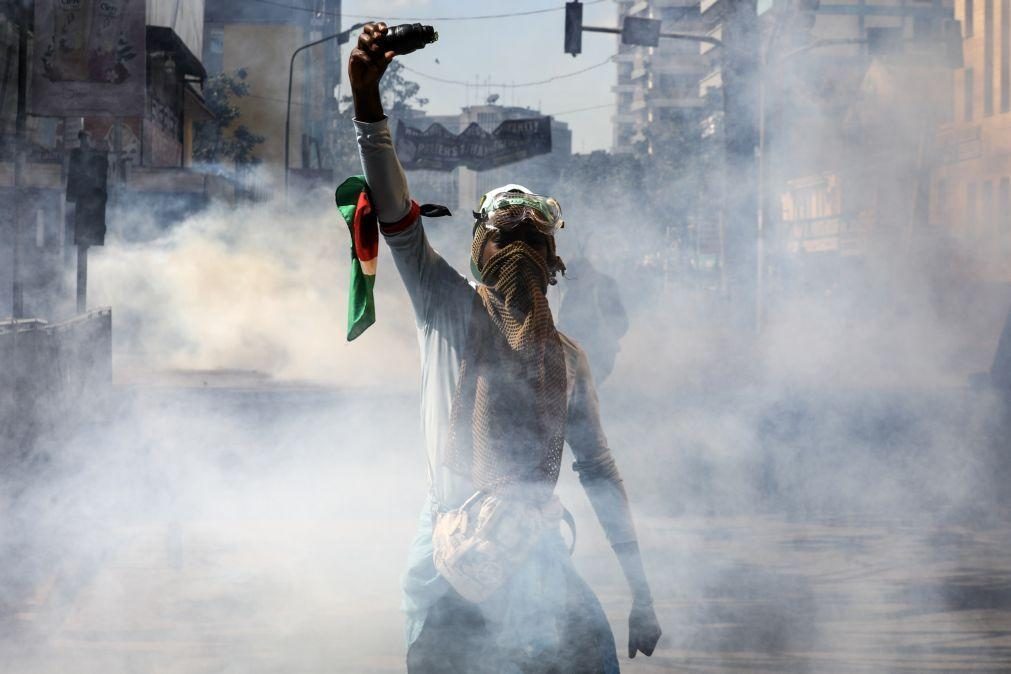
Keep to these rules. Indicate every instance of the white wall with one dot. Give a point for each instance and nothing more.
(185, 17)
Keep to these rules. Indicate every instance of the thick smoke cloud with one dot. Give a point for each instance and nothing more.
(255, 287)
(826, 498)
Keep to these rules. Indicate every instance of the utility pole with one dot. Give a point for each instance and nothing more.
(24, 9)
(740, 74)
(341, 38)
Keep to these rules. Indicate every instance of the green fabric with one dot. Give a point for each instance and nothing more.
(361, 297)
(361, 301)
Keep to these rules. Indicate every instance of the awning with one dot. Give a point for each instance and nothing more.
(160, 38)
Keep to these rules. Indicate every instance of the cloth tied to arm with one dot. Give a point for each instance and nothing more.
(507, 424)
(355, 206)
(354, 203)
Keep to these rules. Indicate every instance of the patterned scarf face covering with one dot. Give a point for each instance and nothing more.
(507, 425)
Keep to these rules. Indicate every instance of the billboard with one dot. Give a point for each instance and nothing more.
(438, 149)
(89, 58)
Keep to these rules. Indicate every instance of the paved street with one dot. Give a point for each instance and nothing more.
(734, 595)
(210, 542)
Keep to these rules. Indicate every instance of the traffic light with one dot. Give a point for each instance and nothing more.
(86, 186)
(573, 27)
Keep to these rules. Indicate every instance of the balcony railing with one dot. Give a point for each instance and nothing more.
(626, 117)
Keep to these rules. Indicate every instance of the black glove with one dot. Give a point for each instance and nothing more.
(643, 629)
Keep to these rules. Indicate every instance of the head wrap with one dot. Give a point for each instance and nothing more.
(507, 424)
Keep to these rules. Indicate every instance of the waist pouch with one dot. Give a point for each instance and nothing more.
(479, 545)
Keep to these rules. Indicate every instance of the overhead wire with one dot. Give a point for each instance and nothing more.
(444, 80)
(507, 85)
(479, 17)
(569, 112)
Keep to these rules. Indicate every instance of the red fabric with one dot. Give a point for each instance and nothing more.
(404, 222)
(366, 229)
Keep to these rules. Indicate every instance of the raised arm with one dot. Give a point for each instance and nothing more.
(387, 181)
(433, 285)
(599, 476)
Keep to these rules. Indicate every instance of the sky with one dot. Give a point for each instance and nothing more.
(510, 50)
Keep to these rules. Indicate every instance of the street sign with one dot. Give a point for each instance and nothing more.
(641, 32)
(438, 149)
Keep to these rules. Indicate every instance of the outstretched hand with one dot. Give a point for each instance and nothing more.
(643, 629)
(368, 60)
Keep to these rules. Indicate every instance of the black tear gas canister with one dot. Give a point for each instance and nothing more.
(408, 37)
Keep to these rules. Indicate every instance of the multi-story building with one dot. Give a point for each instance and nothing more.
(840, 74)
(259, 38)
(657, 89)
(839, 179)
(126, 75)
(972, 185)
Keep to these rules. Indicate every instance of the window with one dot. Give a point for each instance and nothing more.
(1005, 56)
(1004, 210)
(987, 58)
(941, 205)
(214, 50)
(970, 209)
(968, 94)
(986, 225)
(884, 40)
(947, 112)
(967, 18)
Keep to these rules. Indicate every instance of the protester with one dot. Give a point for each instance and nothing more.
(490, 586)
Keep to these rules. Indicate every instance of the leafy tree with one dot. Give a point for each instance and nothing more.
(213, 142)
(399, 95)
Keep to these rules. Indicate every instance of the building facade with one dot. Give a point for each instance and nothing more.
(131, 83)
(972, 184)
(657, 92)
(862, 80)
(845, 113)
(259, 40)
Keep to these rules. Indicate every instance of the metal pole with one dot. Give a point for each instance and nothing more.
(674, 36)
(82, 279)
(17, 291)
(760, 243)
(340, 37)
(287, 125)
(694, 38)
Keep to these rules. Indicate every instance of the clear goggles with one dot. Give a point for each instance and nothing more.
(506, 211)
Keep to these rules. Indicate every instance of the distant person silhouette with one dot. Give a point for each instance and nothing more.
(592, 313)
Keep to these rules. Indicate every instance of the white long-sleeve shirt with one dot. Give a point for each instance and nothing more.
(443, 299)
